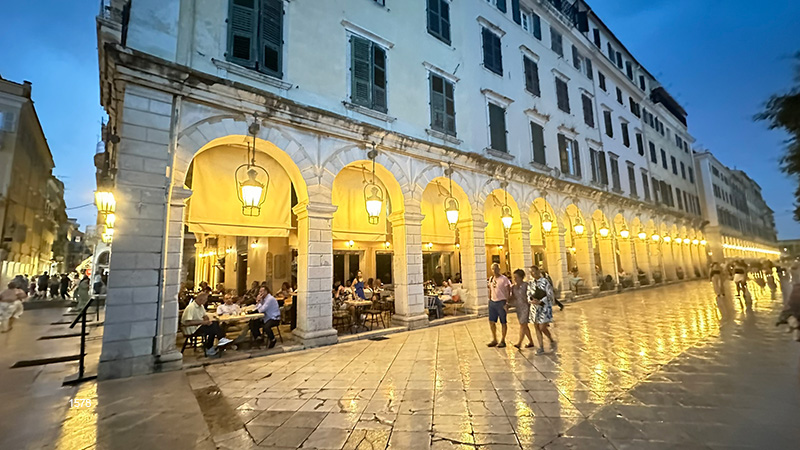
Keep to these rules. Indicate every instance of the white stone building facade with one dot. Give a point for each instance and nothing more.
(505, 97)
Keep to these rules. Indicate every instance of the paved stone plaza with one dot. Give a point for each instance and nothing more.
(640, 370)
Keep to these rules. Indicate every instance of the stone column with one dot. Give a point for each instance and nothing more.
(198, 268)
(519, 242)
(556, 260)
(139, 315)
(407, 270)
(473, 264)
(643, 259)
(584, 254)
(607, 255)
(315, 274)
(668, 259)
(629, 259)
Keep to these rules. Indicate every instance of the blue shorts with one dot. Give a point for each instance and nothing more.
(497, 310)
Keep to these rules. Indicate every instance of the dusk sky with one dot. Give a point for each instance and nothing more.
(720, 60)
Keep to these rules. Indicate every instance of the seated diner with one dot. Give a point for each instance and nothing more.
(195, 321)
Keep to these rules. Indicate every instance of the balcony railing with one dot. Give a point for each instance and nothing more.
(567, 9)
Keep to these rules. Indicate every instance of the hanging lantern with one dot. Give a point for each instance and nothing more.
(667, 239)
(547, 222)
(451, 203)
(111, 218)
(603, 230)
(506, 217)
(656, 237)
(252, 180)
(702, 242)
(695, 241)
(642, 235)
(373, 194)
(624, 233)
(579, 228)
(387, 244)
(107, 236)
(105, 201)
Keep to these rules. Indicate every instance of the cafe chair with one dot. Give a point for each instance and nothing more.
(373, 315)
(191, 339)
(342, 318)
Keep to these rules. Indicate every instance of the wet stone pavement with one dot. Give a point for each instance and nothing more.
(651, 369)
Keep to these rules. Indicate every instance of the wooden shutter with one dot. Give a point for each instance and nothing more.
(491, 52)
(626, 139)
(439, 19)
(576, 58)
(601, 161)
(576, 158)
(609, 125)
(497, 127)
(378, 78)
(640, 143)
(271, 36)
(501, 5)
(531, 76)
(537, 138)
(562, 95)
(437, 103)
(537, 27)
(593, 164)
(515, 13)
(444, 16)
(629, 69)
(596, 33)
(361, 71)
(632, 180)
(589, 69)
(563, 154)
(588, 110)
(449, 108)
(242, 32)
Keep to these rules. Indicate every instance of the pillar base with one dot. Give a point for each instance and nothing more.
(637, 284)
(166, 362)
(595, 290)
(480, 310)
(316, 338)
(411, 322)
(126, 367)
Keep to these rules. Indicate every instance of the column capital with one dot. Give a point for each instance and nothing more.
(405, 218)
(179, 195)
(314, 209)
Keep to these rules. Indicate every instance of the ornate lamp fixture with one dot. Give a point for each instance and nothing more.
(252, 180)
(104, 200)
(373, 194)
(695, 241)
(667, 239)
(506, 216)
(642, 234)
(111, 219)
(579, 227)
(451, 203)
(703, 242)
(656, 237)
(624, 233)
(603, 229)
(547, 222)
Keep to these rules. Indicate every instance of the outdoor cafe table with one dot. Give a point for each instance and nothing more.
(358, 306)
(235, 318)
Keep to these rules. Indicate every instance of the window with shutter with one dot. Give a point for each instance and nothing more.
(642, 85)
(674, 165)
(439, 20)
(368, 74)
(576, 159)
(691, 175)
(501, 5)
(656, 189)
(556, 42)
(537, 26)
(596, 33)
(629, 69)
(608, 123)
(645, 187)
(537, 140)
(680, 198)
(497, 128)
(242, 26)
(576, 58)
(683, 170)
(589, 69)
(492, 56)
(664, 159)
(443, 114)
(564, 156)
(619, 60)
(611, 53)
(653, 155)
(588, 110)
(640, 143)
(603, 168)
(516, 14)
(593, 165)
(562, 95)
(531, 76)
(626, 139)
(632, 180)
(255, 35)
(619, 96)
(601, 80)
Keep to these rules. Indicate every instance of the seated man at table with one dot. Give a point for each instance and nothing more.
(196, 321)
(228, 308)
(268, 305)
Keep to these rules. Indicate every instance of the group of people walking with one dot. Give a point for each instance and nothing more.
(533, 302)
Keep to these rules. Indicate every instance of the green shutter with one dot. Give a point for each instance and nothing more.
(361, 69)
(601, 162)
(501, 5)
(271, 37)
(531, 76)
(242, 32)
(497, 127)
(450, 108)
(563, 154)
(437, 103)
(537, 138)
(378, 78)
(576, 158)
(515, 12)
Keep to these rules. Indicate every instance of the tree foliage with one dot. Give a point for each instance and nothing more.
(782, 111)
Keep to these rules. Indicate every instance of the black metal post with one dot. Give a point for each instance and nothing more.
(83, 347)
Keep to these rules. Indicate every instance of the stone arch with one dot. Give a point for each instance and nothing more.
(389, 163)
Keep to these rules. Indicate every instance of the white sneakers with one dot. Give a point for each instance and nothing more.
(224, 341)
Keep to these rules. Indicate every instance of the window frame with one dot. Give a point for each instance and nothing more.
(373, 47)
(496, 53)
(446, 117)
(530, 69)
(502, 108)
(443, 5)
(566, 94)
(257, 37)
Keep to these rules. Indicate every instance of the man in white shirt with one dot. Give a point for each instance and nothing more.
(499, 293)
(196, 321)
(228, 308)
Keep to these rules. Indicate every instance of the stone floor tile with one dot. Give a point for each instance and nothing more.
(413, 422)
(367, 440)
(407, 440)
(287, 437)
(327, 438)
(304, 419)
(342, 421)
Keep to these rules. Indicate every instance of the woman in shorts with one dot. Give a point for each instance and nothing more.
(519, 298)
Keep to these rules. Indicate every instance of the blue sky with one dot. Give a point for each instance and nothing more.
(721, 60)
